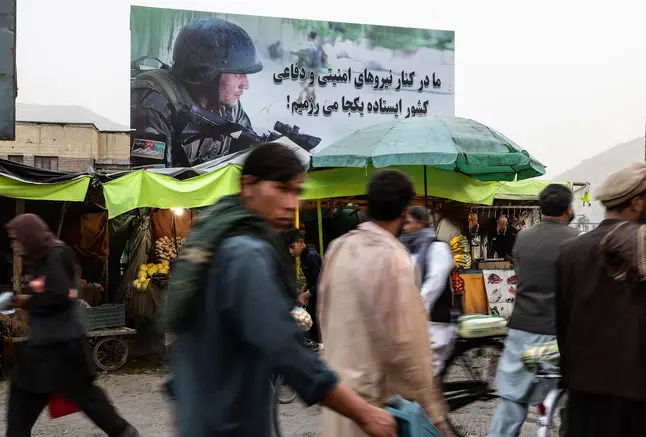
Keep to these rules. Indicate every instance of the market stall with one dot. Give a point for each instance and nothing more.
(73, 209)
(334, 200)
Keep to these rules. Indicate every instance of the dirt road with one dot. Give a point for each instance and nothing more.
(138, 397)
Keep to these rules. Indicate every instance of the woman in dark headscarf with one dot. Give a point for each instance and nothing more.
(57, 357)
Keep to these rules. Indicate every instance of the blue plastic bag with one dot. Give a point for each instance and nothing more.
(412, 420)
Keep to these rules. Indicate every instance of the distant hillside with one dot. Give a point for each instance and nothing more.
(596, 169)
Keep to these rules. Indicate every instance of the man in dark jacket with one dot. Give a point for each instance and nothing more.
(311, 263)
(503, 241)
(601, 317)
(533, 320)
(229, 306)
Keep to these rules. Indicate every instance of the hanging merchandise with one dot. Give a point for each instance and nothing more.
(461, 249)
(166, 249)
(139, 255)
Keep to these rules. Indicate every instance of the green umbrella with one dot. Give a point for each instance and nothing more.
(447, 143)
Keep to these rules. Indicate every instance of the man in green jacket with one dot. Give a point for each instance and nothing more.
(229, 306)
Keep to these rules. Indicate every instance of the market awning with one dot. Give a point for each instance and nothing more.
(70, 191)
(146, 189)
(345, 182)
(20, 181)
(143, 188)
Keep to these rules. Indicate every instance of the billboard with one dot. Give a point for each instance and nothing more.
(206, 85)
(8, 87)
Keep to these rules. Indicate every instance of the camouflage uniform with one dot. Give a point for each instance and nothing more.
(159, 96)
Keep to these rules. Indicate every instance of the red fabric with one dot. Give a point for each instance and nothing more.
(60, 406)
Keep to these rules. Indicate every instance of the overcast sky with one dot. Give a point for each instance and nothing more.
(564, 79)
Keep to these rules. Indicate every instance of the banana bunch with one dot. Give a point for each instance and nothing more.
(461, 251)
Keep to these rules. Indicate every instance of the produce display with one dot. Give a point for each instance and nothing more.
(461, 251)
(147, 271)
(166, 248)
(303, 319)
(457, 283)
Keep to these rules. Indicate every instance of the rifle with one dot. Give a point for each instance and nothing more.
(213, 125)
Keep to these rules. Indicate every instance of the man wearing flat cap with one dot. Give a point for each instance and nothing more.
(601, 314)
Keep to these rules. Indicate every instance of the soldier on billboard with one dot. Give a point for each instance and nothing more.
(313, 58)
(211, 61)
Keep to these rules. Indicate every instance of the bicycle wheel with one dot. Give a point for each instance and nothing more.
(469, 385)
(284, 393)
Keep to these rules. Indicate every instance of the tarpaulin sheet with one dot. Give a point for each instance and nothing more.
(27, 173)
(72, 190)
(141, 189)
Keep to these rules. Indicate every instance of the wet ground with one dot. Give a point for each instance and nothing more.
(136, 393)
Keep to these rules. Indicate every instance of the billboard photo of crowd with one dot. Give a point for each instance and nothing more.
(207, 85)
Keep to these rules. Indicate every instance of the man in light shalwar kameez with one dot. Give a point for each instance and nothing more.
(372, 316)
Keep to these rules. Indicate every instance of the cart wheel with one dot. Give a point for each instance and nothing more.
(110, 353)
(284, 393)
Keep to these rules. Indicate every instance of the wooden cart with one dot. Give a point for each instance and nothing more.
(109, 350)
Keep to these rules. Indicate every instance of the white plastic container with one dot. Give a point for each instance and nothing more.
(477, 326)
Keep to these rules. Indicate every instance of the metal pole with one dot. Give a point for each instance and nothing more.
(297, 222)
(172, 213)
(425, 190)
(319, 219)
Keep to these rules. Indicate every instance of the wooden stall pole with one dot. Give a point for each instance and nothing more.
(319, 220)
(60, 222)
(17, 260)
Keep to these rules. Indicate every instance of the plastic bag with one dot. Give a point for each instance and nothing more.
(61, 406)
(303, 319)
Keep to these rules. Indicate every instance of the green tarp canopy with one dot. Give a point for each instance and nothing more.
(72, 191)
(142, 188)
(146, 189)
(443, 143)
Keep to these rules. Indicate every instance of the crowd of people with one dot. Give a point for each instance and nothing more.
(381, 305)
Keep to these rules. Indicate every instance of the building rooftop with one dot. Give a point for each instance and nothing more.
(65, 114)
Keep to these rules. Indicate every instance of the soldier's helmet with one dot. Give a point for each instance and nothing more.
(208, 47)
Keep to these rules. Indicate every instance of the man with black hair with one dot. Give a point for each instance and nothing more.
(601, 317)
(371, 313)
(311, 264)
(533, 319)
(229, 304)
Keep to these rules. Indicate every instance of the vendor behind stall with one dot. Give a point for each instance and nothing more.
(503, 240)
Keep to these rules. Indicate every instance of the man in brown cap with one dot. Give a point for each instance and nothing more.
(601, 320)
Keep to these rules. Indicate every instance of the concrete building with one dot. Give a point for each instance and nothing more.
(67, 138)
